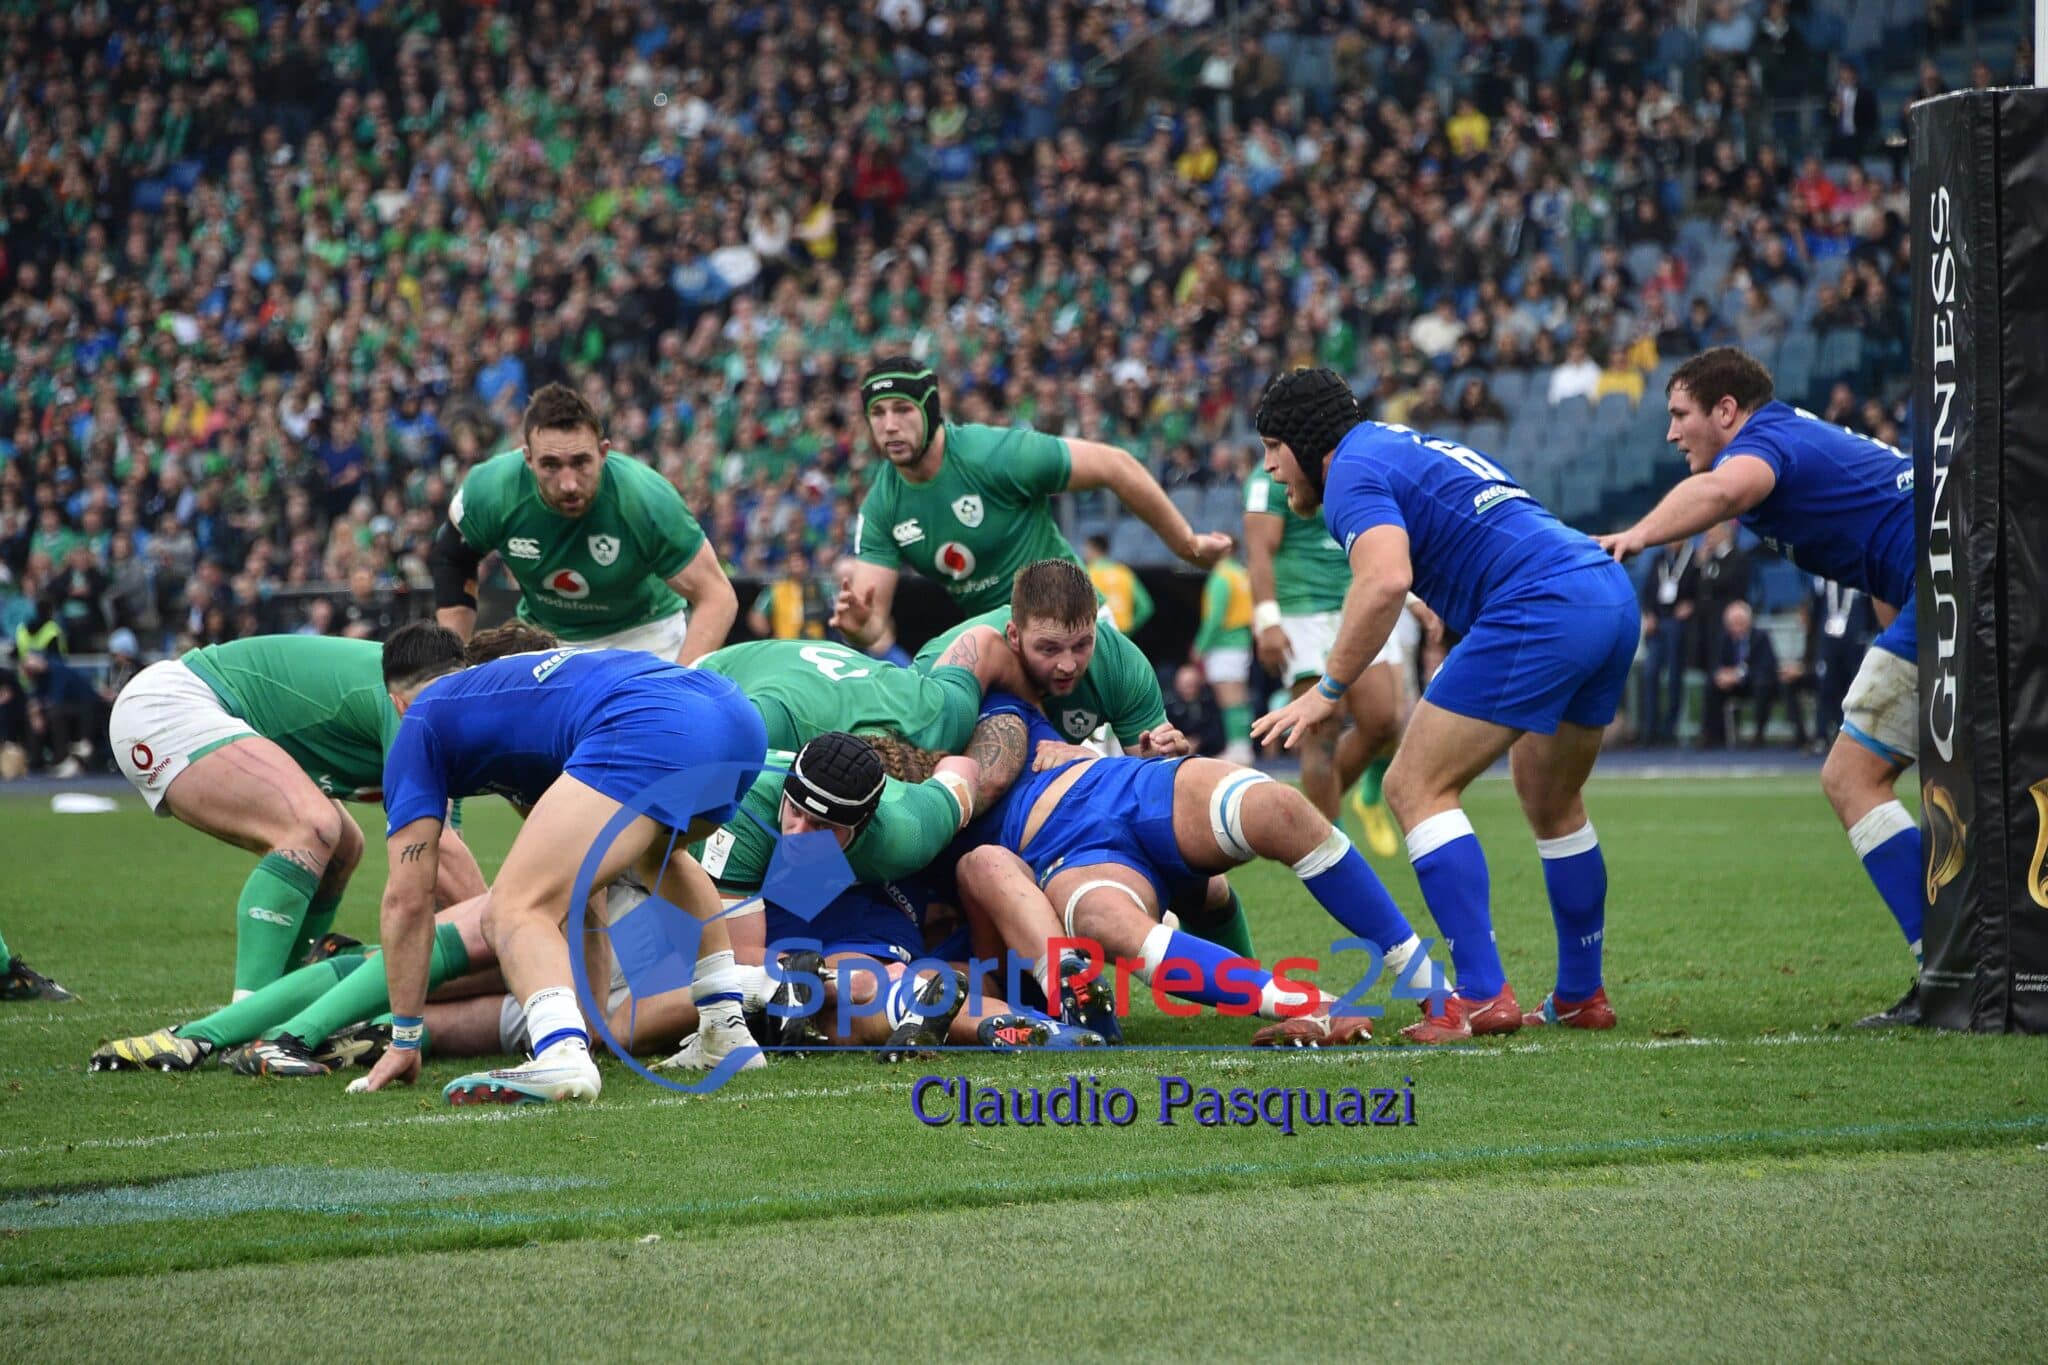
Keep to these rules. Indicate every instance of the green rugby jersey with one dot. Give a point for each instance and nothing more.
(1310, 572)
(984, 516)
(588, 576)
(804, 688)
(319, 698)
(1119, 687)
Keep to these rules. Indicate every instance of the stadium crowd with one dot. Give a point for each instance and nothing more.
(272, 278)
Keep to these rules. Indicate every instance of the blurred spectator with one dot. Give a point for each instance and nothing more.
(1191, 708)
(1130, 605)
(367, 613)
(1852, 115)
(1670, 597)
(1577, 377)
(1476, 403)
(1840, 624)
(1619, 376)
(1745, 669)
(1724, 571)
(794, 605)
(319, 618)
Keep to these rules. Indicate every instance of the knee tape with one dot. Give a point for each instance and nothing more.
(1226, 814)
(1067, 915)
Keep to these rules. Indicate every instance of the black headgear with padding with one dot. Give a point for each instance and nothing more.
(1309, 411)
(836, 778)
(899, 376)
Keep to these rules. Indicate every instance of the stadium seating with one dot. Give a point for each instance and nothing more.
(291, 441)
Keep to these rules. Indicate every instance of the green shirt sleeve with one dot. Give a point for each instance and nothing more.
(477, 510)
(872, 543)
(669, 536)
(1215, 610)
(1033, 465)
(1141, 603)
(1130, 689)
(912, 827)
(764, 602)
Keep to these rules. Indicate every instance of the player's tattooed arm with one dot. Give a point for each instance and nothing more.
(412, 853)
(999, 746)
(983, 651)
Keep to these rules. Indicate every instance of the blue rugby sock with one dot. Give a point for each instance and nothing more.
(1345, 885)
(1452, 870)
(1888, 842)
(1575, 875)
(1198, 957)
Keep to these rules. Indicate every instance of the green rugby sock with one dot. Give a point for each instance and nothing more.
(268, 918)
(1237, 724)
(1369, 781)
(5, 956)
(248, 1017)
(1225, 926)
(367, 993)
(319, 919)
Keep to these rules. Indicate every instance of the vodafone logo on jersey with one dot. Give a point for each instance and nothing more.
(568, 583)
(954, 560)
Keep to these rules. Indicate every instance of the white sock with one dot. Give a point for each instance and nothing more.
(1154, 951)
(1273, 996)
(555, 1020)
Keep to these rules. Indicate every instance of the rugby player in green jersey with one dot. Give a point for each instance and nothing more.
(1082, 672)
(805, 688)
(1299, 577)
(256, 742)
(969, 505)
(605, 552)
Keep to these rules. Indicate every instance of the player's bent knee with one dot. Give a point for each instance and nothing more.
(1227, 810)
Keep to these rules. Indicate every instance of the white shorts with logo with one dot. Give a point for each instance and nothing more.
(1309, 638)
(1227, 665)
(164, 720)
(1881, 710)
(663, 637)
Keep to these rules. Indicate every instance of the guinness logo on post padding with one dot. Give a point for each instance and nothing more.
(1947, 834)
(2037, 870)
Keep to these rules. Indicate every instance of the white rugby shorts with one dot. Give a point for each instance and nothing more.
(165, 719)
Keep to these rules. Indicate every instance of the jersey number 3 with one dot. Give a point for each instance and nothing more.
(833, 662)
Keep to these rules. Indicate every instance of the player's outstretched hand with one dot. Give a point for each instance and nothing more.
(1206, 548)
(1293, 721)
(850, 612)
(1623, 545)
(1051, 753)
(398, 1066)
(1164, 741)
(1274, 647)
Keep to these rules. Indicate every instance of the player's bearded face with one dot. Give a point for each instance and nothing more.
(1694, 430)
(897, 426)
(1286, 471)
(1055, 656)
(567, 468)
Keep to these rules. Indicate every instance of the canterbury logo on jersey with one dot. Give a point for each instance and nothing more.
(907, 532)
(522, 547)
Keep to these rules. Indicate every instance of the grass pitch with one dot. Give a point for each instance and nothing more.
(1732, 1173)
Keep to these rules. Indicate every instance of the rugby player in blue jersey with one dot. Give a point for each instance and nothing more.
(573, 735)
(1840, 506)
(1548, 627)
(1101, 846)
